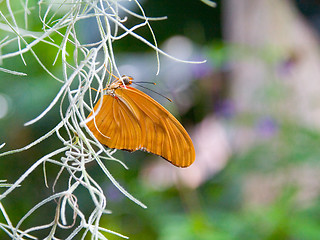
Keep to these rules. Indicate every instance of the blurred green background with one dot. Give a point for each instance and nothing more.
(252, 111)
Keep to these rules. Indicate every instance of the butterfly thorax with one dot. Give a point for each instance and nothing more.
(118, 83)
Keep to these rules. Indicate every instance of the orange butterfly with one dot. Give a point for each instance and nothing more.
(131, 120)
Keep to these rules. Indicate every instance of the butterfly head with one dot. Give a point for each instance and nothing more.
(125, 80)
(120, 82)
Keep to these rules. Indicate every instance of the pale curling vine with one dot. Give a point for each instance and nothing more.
(82, 66)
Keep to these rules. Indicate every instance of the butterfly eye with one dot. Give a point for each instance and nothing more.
(126, 80)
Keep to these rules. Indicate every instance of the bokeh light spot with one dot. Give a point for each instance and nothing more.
(3, 106)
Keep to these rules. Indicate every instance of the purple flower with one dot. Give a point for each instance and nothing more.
(200, 71)
(225, 108)
(266, 127)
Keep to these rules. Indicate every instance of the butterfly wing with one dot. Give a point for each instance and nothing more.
(161, 132)
(131, 120)
(115, 125)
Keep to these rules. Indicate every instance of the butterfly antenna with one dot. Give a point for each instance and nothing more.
(153, 83)
(153, 90)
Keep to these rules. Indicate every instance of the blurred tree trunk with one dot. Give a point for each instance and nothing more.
(275, 60)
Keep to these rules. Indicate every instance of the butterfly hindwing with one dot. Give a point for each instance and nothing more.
(161, 132)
